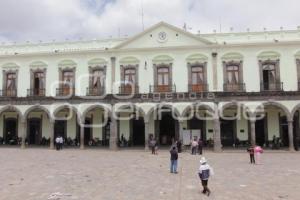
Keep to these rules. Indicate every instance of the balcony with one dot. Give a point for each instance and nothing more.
(162, 88)
(36, 92)
(95, 91)
(278, 86)
(65, 91)
(8, 93)
(234, 87)
(198, 88)
(128, 89)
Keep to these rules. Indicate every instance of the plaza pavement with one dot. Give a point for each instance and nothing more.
(93, 174)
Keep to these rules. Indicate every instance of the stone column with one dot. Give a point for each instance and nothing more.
(113, 72)
(113, 138)
(217, 136)
(291, 136)
(51, 134)
(23, 129)
(82, 136)
(252, 133)
(180, 130)
(146, 135)
(215, 70)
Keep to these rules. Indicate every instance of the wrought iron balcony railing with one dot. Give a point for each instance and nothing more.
(162, 88)
(36, 92)
(234, 87)
(277, 86)
(95, 91)
(198, 88)
(65, 91)
(8, 93)
(129, 89)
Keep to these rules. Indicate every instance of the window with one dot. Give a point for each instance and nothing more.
(163, 76)
(11, 86)
(270, 75)
(97, 79)
(129, 80)
(232, 74)
(38, 83)
(67, 82)
(129, 76)
(197, 75)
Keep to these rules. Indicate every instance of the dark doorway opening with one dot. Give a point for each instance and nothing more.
(227, 132)
(260, 132)
(60, 128)
(34, 131)
(284, 131)
(10, 131)
(87, 131)
(138, 132)
(266, 79)
(106, 134)
(197, 124)
(167, 129)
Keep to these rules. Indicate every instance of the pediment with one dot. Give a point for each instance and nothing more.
(163, 35)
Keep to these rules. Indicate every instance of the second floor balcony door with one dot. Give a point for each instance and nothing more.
(197, 79)
(269, 77)
(129, 80)
(68, 81)
(39, 83)
(233, 78)
(11, 87)
(97, 82)
(163, 76)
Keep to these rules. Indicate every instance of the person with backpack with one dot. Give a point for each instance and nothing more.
(174, 159)
(205, 171)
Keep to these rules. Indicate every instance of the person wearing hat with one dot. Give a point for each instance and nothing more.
(205, 171)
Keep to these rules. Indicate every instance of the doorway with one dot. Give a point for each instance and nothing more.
(167, 129)
(197, 124)
(34, 131)
(138, 132)
(10, 130)
(260, 131)
(284, 131)
(60, 128)
(227, 132)
(87, 131)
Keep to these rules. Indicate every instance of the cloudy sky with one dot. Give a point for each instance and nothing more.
(34, 20)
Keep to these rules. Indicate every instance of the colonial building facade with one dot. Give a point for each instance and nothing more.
(234, 88)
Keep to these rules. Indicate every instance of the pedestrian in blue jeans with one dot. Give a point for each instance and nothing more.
(174, 160)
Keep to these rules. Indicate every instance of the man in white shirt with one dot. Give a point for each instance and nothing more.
(205, 171)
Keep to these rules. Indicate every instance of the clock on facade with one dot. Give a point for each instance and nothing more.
(162, 36)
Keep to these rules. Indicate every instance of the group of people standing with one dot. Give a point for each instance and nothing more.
(197, 146)
(255, 154)
(59, 141)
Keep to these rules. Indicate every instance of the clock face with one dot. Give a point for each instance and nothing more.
(162, 36)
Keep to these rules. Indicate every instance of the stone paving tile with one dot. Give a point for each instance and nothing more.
(38, 174)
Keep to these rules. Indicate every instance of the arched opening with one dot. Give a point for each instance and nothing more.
(38, 132)
(10, 118)
(166, 126)
(66, 124)
(296, 126)
(131, 126)
(97, 126)
(271, 130)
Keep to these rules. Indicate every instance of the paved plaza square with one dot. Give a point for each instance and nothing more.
(42, 174)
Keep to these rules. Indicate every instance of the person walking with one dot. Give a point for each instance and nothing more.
(258, 151)
(251, 153)
(57, 143)
(152, 145)
(205, 171)
(200, 146)
(61, 142)
(174, 159)
(179, 145)
(194, 146)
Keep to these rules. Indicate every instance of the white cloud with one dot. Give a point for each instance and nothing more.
(57, 19)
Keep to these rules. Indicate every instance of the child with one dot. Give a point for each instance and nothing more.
(204, 173)
(251, 153)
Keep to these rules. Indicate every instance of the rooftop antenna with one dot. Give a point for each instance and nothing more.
(142, 7)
